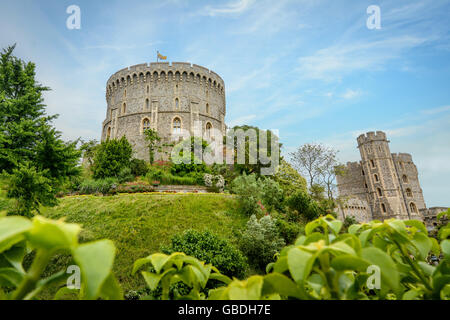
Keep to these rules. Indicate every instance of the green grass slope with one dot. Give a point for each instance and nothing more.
(140, 223)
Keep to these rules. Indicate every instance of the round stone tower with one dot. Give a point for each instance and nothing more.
(162, 96)
(381, 179)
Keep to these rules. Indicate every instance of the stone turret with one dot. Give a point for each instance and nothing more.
(165, 97)
(388, 183)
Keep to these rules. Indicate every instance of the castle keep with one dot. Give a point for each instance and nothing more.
(382, 185)
(166, 97)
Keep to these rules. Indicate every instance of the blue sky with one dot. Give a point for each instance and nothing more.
(309, 68)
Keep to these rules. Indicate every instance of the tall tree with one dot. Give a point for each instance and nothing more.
(309, 159)
(27, 138)
(319, 164)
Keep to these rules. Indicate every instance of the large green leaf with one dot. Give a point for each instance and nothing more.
(300, 264)
(10, 277)
(422, 243)
(418, 225)
(279, 283)
(349, 262)
(12, 231)
(389, 273)
(445, 245)
(14, 256)
(50, 234)
(95, 260)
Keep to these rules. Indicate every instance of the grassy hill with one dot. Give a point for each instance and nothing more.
(140, 223)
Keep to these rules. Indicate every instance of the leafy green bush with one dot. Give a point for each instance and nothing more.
(261, 241)
(250, 190)
(273, 195)
(166, 178)
(289, 179)
(325, 264)
(125, 175)
(208, 247)
(48, 237)
(111, 157)
(302, 205)
(164, 271)
(104, 186)
(30, 189)
(138, 167)
(289, 231)
(254, 191)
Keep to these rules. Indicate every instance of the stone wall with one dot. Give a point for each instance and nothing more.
(159, 93)
(387, 183)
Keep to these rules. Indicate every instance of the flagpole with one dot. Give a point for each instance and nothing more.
(157, 56)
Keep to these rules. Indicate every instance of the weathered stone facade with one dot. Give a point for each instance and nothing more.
(382, 185)
(165, 97)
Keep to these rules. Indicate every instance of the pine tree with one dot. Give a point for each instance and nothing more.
(27, 137)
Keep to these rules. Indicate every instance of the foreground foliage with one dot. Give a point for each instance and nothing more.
(209, 248)
(19, 235)
(324, 264)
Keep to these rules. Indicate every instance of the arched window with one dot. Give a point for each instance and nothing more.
(207, 109)
(145, 124)
(176, 125)
(405, 178)
(379, 192)
(125, 93)
(409, 192)
(147, 104)
(383, 208)
(208, 129)
(376, 177)
(108, 133)
(363, 172)
(372, 163)
(148, 89)
(124, 108)
(177, 103)
(413, 207)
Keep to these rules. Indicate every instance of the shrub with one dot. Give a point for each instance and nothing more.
(250, 191)
(111, 157)
(261, 241)
(104, 186)
(289, 231)
(273, 194)
(215, 183)
(289, 179)
(138, 167)
(303, 205)
(125, 175)
(208, 247)
(30, 189)
(166, 178)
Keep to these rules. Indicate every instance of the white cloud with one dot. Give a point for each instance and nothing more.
(351, 94)
(241, 120)
(336, 61)
(436, 110)
(235, 7)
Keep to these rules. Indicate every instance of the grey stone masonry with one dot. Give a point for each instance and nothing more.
(165, 97)
(385, 185)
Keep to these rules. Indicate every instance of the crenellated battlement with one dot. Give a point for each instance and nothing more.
(354, 165)
(371, 136)
(165, 71)
(405, 157)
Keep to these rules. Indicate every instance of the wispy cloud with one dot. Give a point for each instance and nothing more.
(231, 8)
(351, 94)
(334, 62)
(241, 120)
(436, 110)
